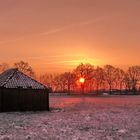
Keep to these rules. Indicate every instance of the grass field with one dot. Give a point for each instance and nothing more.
(76, 118)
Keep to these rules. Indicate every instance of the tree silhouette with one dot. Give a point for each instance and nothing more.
(119, 79)
(134, 76)
(99, 77)
(87, 72)
(25, 68)
(109, 76)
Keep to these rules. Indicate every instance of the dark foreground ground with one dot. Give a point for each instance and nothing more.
(76, 118)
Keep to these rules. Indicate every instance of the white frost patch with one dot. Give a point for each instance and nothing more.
(122, 131)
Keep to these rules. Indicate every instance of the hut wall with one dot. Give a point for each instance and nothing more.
(23, 99)
(0, 100)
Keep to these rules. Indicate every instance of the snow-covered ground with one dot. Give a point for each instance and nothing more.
(76, 118)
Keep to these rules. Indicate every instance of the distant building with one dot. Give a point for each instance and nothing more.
(19, 92)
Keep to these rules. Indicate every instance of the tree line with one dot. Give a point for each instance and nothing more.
(97, 79)
(22, 66)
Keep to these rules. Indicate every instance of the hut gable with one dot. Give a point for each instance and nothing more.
(13, 78)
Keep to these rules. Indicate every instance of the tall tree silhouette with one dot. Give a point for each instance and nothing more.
(134, 76)
(99, 78)
(119, 78)
(25, 68)
(86, 71)
(110, 76)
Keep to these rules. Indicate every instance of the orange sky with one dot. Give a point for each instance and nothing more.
(56, 35)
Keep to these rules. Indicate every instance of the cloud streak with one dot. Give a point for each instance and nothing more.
(57, 30)
(78, 24)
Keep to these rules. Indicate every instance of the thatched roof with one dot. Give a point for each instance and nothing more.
(13, 78)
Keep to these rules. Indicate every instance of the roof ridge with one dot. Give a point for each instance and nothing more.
(32, 79)
(7, 80)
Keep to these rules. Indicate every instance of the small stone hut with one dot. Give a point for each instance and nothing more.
(19, 92)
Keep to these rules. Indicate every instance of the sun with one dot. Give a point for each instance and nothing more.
(82, 80)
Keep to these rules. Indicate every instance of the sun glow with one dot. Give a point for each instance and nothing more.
(76, 62)
(82, 80)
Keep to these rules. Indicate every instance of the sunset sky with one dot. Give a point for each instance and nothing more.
(57, 35)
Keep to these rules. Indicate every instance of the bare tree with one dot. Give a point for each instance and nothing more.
(127, 82)
(110, 76)
(134, 76)
(99, 78)
(48, 80)
(120, 78)
(86, 71)
(59, 83)
(25, 68)
(69, 79)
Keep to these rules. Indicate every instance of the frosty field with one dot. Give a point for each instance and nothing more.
(76, 118)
